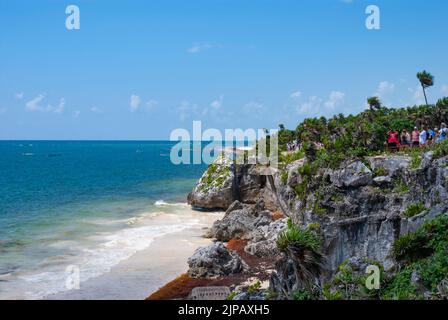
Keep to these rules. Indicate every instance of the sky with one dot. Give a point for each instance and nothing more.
(136, 70)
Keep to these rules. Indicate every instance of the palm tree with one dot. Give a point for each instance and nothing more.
(426, 80)
(374, 103)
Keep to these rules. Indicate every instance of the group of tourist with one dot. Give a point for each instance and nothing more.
(417, 138)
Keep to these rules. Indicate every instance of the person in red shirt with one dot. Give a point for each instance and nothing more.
(393, 141)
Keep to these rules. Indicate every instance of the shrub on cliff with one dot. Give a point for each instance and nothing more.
(301, 248)
(423, 255)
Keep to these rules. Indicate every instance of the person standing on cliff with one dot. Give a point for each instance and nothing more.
(415, 137)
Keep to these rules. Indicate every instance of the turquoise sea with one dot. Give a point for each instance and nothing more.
(81, 203)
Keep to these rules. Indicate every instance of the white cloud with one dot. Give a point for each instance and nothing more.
(134, 103)
(217, 104)
(385, 88)
(152, 104)
(316, 106)
(296, 94)
(254, 109)
(19, 96)
(3, 111)
(59, 108)
(34, 104)
(335, 99)
(186, 109)
(313, 104)
(417, 95)
(76, 113)
(444, 89)
(95, 109)
(198, 47)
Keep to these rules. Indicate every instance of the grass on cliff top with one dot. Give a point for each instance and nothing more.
(342, 137)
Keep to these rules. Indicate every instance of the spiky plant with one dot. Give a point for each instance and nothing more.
(301, 248)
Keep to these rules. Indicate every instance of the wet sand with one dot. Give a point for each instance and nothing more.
(147, 270)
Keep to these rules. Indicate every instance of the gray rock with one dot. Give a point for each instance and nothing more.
(383, 180)
(263, 241)
(392, 164)
(214, 261)
(235, 224)
(353, 175)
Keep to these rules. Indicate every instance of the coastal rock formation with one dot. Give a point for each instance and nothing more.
(214, 261)
(359, 210)
(214, 189)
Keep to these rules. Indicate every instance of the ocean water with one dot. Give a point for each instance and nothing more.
(83, 204)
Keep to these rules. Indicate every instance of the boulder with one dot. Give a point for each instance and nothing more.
(237, 224)
(214, 189)
(214, 261)
(354, 175)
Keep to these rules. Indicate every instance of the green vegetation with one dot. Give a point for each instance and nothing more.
(215, 176)
(231, 296)
(327, 142)
(298, 237)
(400, 187)
(416, 160)
(374, 103)
(423, 252)
(302, 248)
(414, 209)
(290, 157)
(380, 172)
(254, 287)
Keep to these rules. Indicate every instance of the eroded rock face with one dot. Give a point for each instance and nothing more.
(214, 261)
(354, 175)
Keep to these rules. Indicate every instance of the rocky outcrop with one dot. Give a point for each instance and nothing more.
(223, 183)
(359, 209)
(239, 221)
(214, 189)
(214, 261)
(263, 241)
(354, 175)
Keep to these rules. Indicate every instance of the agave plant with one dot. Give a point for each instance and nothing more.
(302, 257)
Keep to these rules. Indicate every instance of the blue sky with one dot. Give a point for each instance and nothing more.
(139, 69)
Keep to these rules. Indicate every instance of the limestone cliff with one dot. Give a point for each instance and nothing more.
(359, 210)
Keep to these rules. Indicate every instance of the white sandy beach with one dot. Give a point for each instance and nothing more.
(147, 270)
